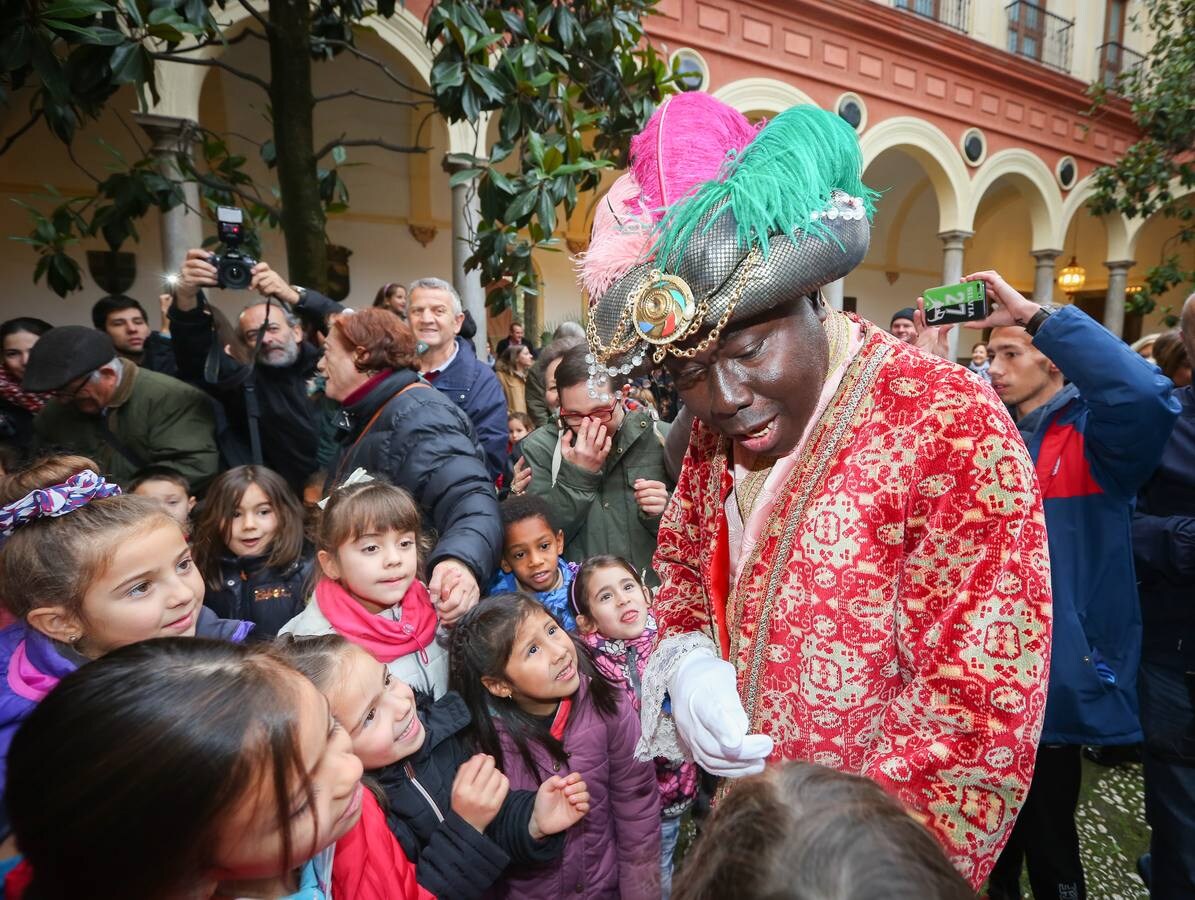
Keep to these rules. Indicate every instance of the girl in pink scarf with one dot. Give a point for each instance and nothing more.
(370, 550)
(613, 611)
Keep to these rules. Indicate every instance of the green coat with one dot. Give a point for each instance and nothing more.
(161, 420)
(598, 512)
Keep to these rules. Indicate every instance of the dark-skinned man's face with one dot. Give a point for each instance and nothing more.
(760, 383)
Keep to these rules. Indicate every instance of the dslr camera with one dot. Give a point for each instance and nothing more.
(233, 267)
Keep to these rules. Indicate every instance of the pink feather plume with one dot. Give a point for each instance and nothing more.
(684, 144)
(621, 235)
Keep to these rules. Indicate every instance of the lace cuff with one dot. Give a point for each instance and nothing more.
(658, 730)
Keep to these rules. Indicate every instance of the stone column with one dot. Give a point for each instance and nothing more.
(466, 213)
(952, 272)
(832, 293)
(182, 226)
(1043, 275)
(1118, 278)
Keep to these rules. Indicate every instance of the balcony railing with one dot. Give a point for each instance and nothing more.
(1039, 35)
(954, 14)
(1115, 60)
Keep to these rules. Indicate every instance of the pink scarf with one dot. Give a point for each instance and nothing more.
(384, 639)
(16, 395)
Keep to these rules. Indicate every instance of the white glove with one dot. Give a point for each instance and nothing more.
(710, 719)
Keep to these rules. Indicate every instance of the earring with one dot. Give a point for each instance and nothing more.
(73, 639)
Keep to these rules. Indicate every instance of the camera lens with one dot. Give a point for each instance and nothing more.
(235, 275)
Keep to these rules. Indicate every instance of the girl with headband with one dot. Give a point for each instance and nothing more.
(85, 570)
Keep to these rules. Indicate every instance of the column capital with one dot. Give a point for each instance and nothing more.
(452, 163)
(1120, 265)
(955, 238)
(170, 134)
(1045, 256)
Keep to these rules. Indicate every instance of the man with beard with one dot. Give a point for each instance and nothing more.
(853, 563)
(259, 373)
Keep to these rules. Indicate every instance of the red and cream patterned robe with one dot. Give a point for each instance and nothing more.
(894, 620)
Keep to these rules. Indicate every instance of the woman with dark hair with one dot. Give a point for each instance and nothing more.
(392, 296)
(395, 424)
(18, 406)
(185, 768)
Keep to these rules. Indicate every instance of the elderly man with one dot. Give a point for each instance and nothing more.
(853, 564)
(122, 416)
(435, 314)
(270, 417)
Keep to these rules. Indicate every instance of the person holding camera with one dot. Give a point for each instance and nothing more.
(1094, 442)
(259, 372)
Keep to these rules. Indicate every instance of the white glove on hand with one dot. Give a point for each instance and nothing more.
(710, 719)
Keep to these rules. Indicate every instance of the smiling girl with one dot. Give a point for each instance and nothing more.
(450, 808)
(539, 707)
(370, 551)
(613, 611)
(86, 571)
(249, 546)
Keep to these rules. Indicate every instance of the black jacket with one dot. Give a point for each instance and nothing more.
(157, 354)
(289, 421)
(253, 592)
(452, 859)
(424, 442)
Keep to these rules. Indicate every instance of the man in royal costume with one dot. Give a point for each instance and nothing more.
(854, 566)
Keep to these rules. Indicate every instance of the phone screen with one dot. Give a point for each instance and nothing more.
(965, 302)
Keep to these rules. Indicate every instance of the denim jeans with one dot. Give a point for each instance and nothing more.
(669, 833)
(1168, 720)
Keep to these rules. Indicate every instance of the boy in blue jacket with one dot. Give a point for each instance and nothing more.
(1094, 441)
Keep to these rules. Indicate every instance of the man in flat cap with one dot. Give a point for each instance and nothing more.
(110, 409)
(854, 566)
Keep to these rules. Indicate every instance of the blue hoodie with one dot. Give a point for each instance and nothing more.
(1094, 445)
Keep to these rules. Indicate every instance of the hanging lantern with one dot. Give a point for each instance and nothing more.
(1134, 289)
(1072, 277)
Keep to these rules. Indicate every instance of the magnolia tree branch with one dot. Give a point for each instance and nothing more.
(262, 20)
(217, 42)
(366, 142)
(218, 184)
(362, 55)
(377, 98)
(16, 135)
(215, 64)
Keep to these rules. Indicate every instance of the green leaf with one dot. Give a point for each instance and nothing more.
(546, 211)
(535, 144)
(447, 75)
(130, 64)
(134, 10)
(164, 32)
(520, 207)
(464, 176)
(339, 154)
(75, 9)
(104, 37)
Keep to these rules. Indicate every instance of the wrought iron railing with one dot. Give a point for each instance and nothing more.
(1115, 60)
(954, 14)
(1039, 35)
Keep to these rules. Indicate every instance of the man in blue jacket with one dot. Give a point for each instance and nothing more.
(1164, 548)
(435, 314)
(1094, 442)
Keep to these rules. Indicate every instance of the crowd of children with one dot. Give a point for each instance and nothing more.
(303, 726)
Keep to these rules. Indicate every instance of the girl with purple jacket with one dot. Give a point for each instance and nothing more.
(613, 610)
(539, 707)
(85, 571)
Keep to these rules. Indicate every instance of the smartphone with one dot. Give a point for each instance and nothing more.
(965, 302)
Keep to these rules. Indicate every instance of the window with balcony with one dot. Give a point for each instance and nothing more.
(954, 14)
(1039, 35)
(1115, 57)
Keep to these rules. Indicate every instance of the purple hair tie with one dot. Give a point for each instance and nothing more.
(56, 500)
(572, 594)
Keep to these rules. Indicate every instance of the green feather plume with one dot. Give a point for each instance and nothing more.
(775, 184)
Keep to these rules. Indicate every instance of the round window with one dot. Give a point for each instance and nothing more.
(853, 111)
(974, 146)
(1067, 172)
(692, 74)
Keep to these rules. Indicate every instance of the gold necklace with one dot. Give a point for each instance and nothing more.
(747, 491)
